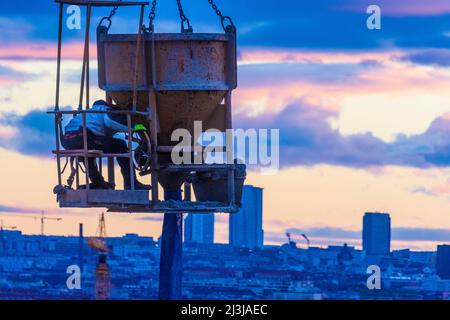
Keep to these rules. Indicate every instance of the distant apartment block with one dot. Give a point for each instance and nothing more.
(199, 228)
(246, 225)
(377, 233)
(443, 262)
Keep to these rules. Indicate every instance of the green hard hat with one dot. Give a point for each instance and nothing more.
(139, 127)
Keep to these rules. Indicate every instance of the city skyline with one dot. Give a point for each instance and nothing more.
(218, 271)
(220, 221)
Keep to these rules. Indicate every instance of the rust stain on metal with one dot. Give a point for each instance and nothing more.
(182, 65)
(191, 75)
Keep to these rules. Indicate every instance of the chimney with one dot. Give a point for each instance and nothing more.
(80, 247)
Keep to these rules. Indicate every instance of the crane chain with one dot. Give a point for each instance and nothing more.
(186, 26)
(185, 23)
(109, 18)
(223, 19)
(151, 17)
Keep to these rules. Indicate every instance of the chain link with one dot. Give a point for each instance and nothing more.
(114, 11)
(186, 26)
(223, 18)
(111, 14)
(215, 8)
(152, 16)
(184, 20)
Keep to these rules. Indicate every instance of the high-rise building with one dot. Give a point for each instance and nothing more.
(246, 225)
(199, 228)
(443, 262)
(377, 233)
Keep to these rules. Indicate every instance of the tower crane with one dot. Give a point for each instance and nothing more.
(3, 227)
(42, 218)
(307, 239)
(291, 243)
(102, 275)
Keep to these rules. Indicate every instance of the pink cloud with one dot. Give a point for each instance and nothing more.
(45, 51)
(6, 81)
(7, 132)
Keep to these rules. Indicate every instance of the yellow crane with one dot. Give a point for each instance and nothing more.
(102, 276)
(98, 242)
(42, 218)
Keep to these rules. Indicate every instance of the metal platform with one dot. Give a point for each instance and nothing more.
(178, 206)
(102, 198)
(136, 201)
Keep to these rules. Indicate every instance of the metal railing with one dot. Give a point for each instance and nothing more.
(85, 83)
(86, 153)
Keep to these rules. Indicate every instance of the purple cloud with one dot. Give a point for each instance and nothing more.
(308, 71)
(307, 138)
(399, 234)
(436, 57)
(14, 209)
(425, 191)
(36, 134)
(327, 232)
(11, 74)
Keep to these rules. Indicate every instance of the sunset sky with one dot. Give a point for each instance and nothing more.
(364, 115)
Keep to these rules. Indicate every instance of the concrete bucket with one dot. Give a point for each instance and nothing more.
(190, 76)
(189, 73)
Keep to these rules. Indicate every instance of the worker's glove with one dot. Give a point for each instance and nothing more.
(139, 127)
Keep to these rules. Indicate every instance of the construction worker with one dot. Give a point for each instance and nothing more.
(101, 128)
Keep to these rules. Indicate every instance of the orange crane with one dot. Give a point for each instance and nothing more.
(42, 218)
(102, 275)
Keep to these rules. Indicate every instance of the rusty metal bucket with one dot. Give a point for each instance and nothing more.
(190, 74)
(213, 186)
